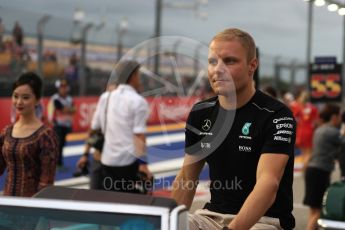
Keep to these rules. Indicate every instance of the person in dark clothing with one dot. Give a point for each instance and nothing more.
(341, 157)
(326, 144)
(61, 110)
(18, 34)
(239, 134)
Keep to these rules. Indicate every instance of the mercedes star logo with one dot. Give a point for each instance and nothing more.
(206, 125)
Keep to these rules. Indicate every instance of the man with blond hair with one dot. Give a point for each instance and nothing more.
(247, 139)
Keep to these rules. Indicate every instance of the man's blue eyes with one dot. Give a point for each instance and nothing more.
(212, 62)
(226, 62)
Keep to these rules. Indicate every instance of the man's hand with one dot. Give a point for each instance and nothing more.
(69, 110)
(82, 162)
(143, 168)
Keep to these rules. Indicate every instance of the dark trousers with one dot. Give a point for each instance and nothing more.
(96, 175)
(61, 132)
(120, 179)
(316, 183)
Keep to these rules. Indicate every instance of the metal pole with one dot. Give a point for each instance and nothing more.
(157, 34)
(175, 46)
(83, 58)
(343, 64)
(40, 27)
(148, 60)
(309, 35)
(293, 75)
(277, 68)
(121, 30)
(119, 45)
(196, 59)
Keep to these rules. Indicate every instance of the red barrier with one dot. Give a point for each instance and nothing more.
(163, 110)
(5, 105)
(170, 109)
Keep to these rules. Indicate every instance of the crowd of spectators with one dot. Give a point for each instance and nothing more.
(17, 56)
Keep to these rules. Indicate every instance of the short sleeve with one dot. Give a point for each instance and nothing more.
(48, 158)
(96, 122)
(141, 114)
(280, 133)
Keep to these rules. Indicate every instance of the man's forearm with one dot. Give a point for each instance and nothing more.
(256, 205)
(186, 181)
(140, 144)
(87, 146)
(183, 191)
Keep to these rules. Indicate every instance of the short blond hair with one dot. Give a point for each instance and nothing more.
(243, 37)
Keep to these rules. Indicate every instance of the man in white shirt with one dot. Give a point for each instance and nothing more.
(124, 150)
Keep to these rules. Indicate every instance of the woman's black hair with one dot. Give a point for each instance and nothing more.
(32, 80)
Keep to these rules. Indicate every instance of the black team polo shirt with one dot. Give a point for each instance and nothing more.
(232, 141)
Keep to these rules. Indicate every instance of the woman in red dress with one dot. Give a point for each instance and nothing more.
(28, 148)
(307, 118)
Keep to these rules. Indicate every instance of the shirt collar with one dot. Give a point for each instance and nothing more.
(126, 87)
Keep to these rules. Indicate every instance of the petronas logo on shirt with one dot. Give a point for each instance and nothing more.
(245, 128)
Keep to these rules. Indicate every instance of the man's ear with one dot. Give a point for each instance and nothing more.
(253, 64)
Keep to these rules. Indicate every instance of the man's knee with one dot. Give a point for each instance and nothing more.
(199, 221)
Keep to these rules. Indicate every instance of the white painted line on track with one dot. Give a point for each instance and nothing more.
(76, 150)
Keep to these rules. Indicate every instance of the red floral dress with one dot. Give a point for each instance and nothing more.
(30, 161)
